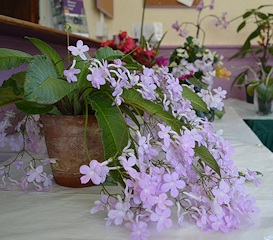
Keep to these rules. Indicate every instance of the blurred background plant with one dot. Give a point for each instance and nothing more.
(258, 44)
(196, 65)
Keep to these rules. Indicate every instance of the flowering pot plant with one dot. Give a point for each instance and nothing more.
(196, 65)
(157, 150)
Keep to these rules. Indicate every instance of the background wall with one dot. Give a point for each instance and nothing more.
(128, 12)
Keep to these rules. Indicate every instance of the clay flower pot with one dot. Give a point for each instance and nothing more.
(64, 136)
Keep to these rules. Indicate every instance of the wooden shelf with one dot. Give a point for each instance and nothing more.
(13, 27)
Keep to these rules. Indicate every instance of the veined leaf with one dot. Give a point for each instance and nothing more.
(10, 58)
(51, 53)
(108, 53)
(33, 108)
(204, 154)
(42, 85)
(134, 99)
(196, 101)
(115, 132)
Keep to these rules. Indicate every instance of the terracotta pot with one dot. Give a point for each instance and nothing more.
(64, 136)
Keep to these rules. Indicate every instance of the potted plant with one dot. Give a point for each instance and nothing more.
(156, 149)
(261, 88)
(262, 51)
(48, 89)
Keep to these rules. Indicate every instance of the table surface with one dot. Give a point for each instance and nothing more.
(63, 213)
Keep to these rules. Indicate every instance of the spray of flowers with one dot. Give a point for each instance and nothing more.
(161, 171)
(27, 142)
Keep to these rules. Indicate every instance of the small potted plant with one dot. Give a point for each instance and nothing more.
(261, 88)
(262, 50)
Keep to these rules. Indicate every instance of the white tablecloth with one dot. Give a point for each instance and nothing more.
(63, 213)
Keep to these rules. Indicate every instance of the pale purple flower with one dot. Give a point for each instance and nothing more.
(162, 201)
(70, 74)
(176, 26)
(79, 50)
(222, 193)
(47, 180)
(119, 213)
(35, 174)
(147, 189)
(172, 183)
(94, 172)
(217, 223)
(128, 165)
(164, 134)
(200, 6)
(138, 230)
(183, 33)
(252, 176)
(19, 164)
(162, 218)
(97, 77)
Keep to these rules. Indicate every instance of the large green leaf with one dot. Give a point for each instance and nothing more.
(204, 154)
(10, 58)
(11, 90)
(115, 132)
(51, 53)
(196, 101)
(42, 85)
(134, 99)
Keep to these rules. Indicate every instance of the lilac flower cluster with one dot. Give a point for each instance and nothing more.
(25, 142)
(159, 167)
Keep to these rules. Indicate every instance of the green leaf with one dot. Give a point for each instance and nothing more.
(33, 108)
(247, 14)
(108, 53)
(11, 90)
(50, 53)
(115, 132)
(80, 64)
(261, 15)
(12, 58)
(42, 85)
(197, 102)
(134, 99)
(251, 88)
(241, 26)
(220, 114)
(204, 154)
(130, 114)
